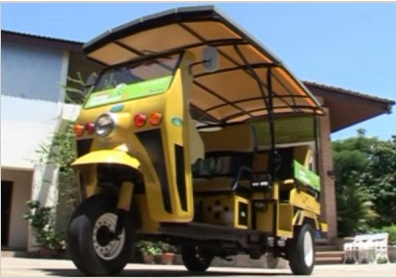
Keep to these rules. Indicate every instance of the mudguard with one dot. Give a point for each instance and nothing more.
(107, 156)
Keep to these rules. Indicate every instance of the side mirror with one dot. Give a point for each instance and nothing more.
(210, 59)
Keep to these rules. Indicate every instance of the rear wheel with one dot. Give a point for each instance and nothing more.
(195, 259)
(272, 261)
(301, 251)
(92, 244)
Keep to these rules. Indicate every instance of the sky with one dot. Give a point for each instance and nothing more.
(347, 45)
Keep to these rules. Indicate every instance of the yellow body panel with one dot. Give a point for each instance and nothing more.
(303, 215)
(87, 183)
(125, 196)
(126, 146)
(324, 227)
(304, 201)
(149, 226)
(285, 217)
(264, 219)
(176, 105)
(107, 156)
(225, 210)
(284, 233)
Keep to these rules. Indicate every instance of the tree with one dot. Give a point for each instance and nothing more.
(75, 92)
(62, 152)
(365, 179)
(351, 157)
(380, 179)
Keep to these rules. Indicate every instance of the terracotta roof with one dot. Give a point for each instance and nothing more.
(349, 92)
(348, 107)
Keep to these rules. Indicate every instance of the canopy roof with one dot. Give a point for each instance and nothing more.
(239, 90)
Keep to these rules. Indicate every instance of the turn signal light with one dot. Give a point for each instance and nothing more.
(90, 128)
(78, 130)
(155, 118)
(140, 120)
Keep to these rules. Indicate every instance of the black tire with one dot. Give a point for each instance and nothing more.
(194, 259)
(90, 246)
(301, 251)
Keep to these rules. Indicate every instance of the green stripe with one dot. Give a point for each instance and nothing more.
(124, 92)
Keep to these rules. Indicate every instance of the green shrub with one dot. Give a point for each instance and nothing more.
(166, 247)
(391, 230)
(147, 247)
(43, 221)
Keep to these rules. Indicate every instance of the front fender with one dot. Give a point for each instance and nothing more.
(107, 156)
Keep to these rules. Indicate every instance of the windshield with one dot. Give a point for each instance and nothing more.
(133, 81)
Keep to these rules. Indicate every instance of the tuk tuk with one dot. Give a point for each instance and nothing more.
(179, 140)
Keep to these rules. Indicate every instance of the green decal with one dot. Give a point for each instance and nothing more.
(117, 108)
(177, 121)
(306, 176)
(125, 92)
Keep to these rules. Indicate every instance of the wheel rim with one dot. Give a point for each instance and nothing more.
(105, 245)
(308, 249)
(198, 255)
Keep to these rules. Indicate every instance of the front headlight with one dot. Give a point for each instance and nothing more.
(104, 125)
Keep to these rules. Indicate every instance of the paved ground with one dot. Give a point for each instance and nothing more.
(22, 267)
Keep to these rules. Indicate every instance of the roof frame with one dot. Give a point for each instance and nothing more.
(242, 57)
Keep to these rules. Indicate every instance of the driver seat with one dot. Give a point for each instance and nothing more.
(228, 163)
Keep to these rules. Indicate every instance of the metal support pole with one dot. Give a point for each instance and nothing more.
(272, 155)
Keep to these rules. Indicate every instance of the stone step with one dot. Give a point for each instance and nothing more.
(329, 260)
(325, 254)
(329, 257)
(326, 247)
(13, 253)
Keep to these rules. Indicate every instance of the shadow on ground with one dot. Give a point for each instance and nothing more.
(162, 273)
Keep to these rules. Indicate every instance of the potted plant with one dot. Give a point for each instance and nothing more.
(167, 252)
(43, 222)
(149, 250)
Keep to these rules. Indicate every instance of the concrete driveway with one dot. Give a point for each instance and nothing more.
(23, 267)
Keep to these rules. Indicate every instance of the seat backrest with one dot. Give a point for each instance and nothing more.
(235, 138)
(261, 162)
(361, 238)
(380, 238)
(227, 150)
(196, 144)
(302, 154)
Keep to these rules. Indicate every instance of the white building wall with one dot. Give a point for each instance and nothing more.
(26, 124)
(22, 184)
(31, 112)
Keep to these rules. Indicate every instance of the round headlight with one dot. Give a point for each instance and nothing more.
(104, 125)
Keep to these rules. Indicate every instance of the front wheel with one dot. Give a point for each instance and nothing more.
(92, 244)
(195, 259)
(301, 251)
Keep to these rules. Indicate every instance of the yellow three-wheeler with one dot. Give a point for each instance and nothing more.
(179, 140)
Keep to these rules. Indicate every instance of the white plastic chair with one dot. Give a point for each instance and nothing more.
(380, 243)
(366, 252)
(351, 249)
